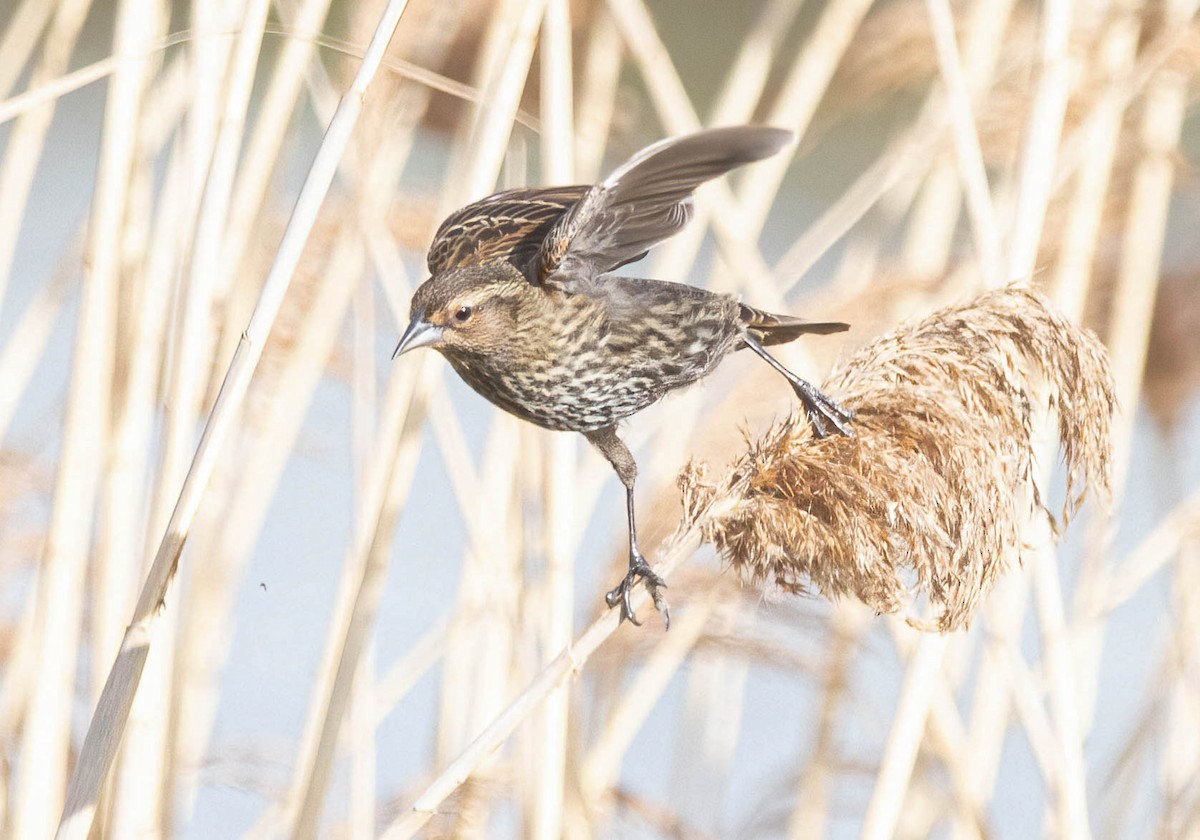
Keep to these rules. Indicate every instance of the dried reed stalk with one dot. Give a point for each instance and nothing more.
(30, 335)
(117, 562)
(1160, 122)
(947, 734)
(275, 422)
(599, 76)
(569, 661)
(599, 770)
(58, 613)
(810, 817)
(1181, 758)
(104, 734)
(1043, 132)
(22, 33)
(225, 70)
(710, 717)
(932, 481)
(27, 141)
(478, 664)
(270, 130)
(537, 782)
(980, 209)
(309, 343)
(551, 737)
(930, 232)
(913, 707)
(386, 485)
(360, 588)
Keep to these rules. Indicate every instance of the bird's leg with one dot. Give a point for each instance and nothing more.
(820, 408)
(617, 453)
(638, 568)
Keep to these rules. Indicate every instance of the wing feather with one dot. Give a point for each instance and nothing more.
(509, 225)
(646, 200)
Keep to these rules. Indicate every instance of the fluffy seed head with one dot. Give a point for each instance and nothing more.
(929, 500)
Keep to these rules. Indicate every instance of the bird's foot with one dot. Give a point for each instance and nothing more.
(821, 410)
(622, 594)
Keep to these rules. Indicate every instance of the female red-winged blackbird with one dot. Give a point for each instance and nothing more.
(521, 305)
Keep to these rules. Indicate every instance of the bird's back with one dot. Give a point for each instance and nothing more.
(670, 332)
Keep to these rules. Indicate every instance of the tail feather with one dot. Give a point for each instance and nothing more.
(771, 329)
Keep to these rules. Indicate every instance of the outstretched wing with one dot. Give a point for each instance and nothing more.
(643, 202)
(508, 225)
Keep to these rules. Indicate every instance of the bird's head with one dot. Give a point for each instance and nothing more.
(472, 309)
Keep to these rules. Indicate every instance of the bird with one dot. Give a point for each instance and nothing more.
(523, 303)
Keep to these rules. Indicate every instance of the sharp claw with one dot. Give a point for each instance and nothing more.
(814, 417)
(660, 604)
(612, 598)
(627, 607)
(623, 593)
(820, 409)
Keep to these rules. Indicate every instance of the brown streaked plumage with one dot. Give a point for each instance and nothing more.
(521, 303)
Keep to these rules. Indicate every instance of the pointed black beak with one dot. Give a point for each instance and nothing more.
(420, 333)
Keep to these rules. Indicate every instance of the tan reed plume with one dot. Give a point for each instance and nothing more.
(939, 480)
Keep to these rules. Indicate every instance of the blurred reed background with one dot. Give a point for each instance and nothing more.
(377, 564)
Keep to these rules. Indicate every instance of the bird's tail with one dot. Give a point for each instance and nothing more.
(771, 329)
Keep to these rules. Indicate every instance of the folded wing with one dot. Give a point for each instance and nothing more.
(509, 225)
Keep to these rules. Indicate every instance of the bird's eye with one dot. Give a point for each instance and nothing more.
(463, 314)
